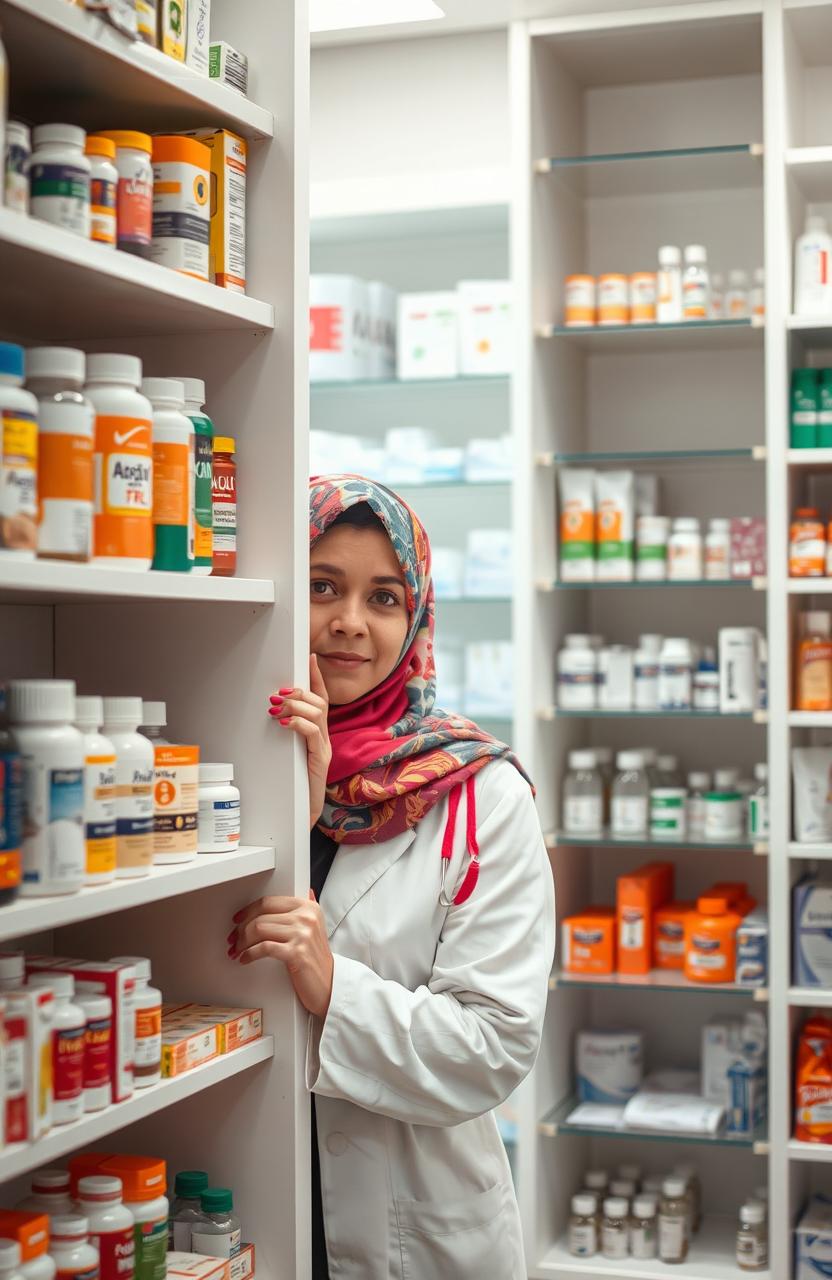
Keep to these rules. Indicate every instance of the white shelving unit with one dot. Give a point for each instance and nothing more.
(212, 648)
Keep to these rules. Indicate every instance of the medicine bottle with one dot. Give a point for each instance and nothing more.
(33, 1238)
(203, 475)
(583, 796)
(54, 857)
(219, 809)
(12, 970)
(122, 538)
(646, 673)
(650, 758)
(597, 1180)
(812, 251)
(758, 294)
(706, 682)
(824, 438)
(669, 774)
(68, 1037)
(98, 1040)
(10, 1256)
(134, 782)
(66, 429)
(59, 178)
(186, 1208)
(758, 823)
(99, 792)
(724, 815)
(577, 674)
(676, 674)
(217, 1233)
(135, 189)
(111, 1224)
(813, 663)
(717, 311)
(144, 1181)
(154, 720)
(669, 305)
(695, 283)
(673, 1232)
(224, 508)
(583, 1228)
(652, 534)
(807, 544)
(173, 476)
(147, 1002)
(685, 550)
(74, 1256)
(644, 1238)
(698, 784)
(804, 409)
(614, 1228)
(737, 303)
(18, 458)
(11, 813)
(624, 1188)
(18, 162)
(752, 1238)
(718, 551)
(694, 1191)
(630, 796)
(50, 1194)
(103, 189)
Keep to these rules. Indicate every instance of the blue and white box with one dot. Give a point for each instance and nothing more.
(752, 949)
(812, 931)
(734, 1069)
(609, 1065)
(813, 1240)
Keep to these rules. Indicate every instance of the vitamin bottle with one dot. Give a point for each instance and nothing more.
(684, 550)
(583, 796)
(186, 1208)
(59, 178)
(135, 190)
(103, 189)
(217, 1233)
(54, 857)
(812, 260)
(706, 682)
(577, 674)
(203, 475)
(718, 551)
(18, 459)
(711, 941)
(219, 809)
(123, 527)
(583, 1228)
(752, 1238)
(807, 544)
(31, 1234)
(144, 1180)
(804, 408)
(643, 297)
(50, 1194)
(673, 1234)
(630, 797)
(652, 534)
(579, 301)
(74, 1256)
(99, 792)
(66, 427)
(669, 306)
(181, 204)
(173, 475)
(758, 824)
(613, 299)
(813, 666)
(676, 675)
(111, 1225)
(695, 283)
(134, 787)
(698, 784)
(614, 1228)
(736, 299)
(644, 1236)
(18, 162)
(69, 1030)
(646, 673)
(224, 508)
(147, 1002)
(98, 1039)
(10, 1256)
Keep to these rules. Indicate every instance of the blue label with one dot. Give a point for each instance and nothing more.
(66, 795)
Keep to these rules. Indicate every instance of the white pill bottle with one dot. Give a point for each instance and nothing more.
(134, 787)
(219, 809)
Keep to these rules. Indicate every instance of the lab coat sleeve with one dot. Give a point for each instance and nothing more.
(457, 1047)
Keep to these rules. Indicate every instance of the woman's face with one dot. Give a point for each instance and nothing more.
(358, 615)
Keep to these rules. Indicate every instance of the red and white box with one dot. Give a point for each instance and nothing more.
(748, 547)
(339, 328)
(35, 1006)
(118, 981)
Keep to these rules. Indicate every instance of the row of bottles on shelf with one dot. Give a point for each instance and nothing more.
(78, 806)
(98, 463)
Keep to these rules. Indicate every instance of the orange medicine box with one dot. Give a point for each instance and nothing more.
(196, 1267)
(187, 1046)
(589, 941)
(639, 895)
(242, 1266)
(669, 934)
(235, 1027)
(30, 1230)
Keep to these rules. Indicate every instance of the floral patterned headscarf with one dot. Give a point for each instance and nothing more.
(394, 755)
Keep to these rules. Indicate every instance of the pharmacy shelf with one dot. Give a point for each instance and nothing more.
(21, 1157)
(665, 172)
(821, 852)
(500, 600)
(403, 386)
(562, 840)
(813, 333)
(53, 582)
(816, 1152)
(810, 719)
(656, 980)
(753, 584)
(809, 586)
(811, 997)
(809, 458)
(558, 713)
(556, 1124)
(711, 1257)
(656, 457)
(33, 915)
(811, 170)
(38, 260)
(57, 50)
(693, 335)
(504, 483)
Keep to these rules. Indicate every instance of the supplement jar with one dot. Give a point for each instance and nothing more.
(59, 178)
(583, 796)
(217, 1233)
(66, 428)
(71, 1249)
(147, 1002)
(643, 297)
(676, 675)
(685, 550)
(646, 673)
(111, 1224)
(203, 475)
(144, 1180)
(33, 1237)
(219, 809)
(68, 1035)
(718, 551)
(18, 159)
(652, 533)
(134, 783)
(644, 1242)
(807, 544)
(579, 301)
(752, 1238)
(50, 1194)
(18, 458)
(185, 1209)
(98, 1039)
(173, 475)
(103, 189)
(224, 508)
(99, 792)
(668, 813)
(577, 674)
(135, 189)
(614, 1229)
(123, 460)
(41, 713)
(181, 204)
(630, 796)
(724, 815)
(613, 299)
(10, 1256)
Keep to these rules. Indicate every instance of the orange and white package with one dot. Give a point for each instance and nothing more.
(813, 1081)
(638, 896)
(577, 524)
(669, 934)
(711, 940)
(589, 941)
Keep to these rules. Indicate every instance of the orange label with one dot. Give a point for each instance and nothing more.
(171, 484)
(609, 524)
(123, 487)
(576, 524)
(148, 1022)
(65, 467)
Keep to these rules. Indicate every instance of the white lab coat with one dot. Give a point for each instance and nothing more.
(435, 1018)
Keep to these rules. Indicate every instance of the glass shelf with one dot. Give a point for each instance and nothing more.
(556, 713)
(755, 454)
(447, 484)
(401, 386)
(646, 173)
(755, 584)
(713, 335)
(501, 600)
(556, 1124)
(562, 840)
(658, 980)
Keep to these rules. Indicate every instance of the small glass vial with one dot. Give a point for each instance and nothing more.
(673, 1221)
(583, 796)
(185, 1209)
(758, 826)
(218, 1233)
(614, 1228)
(644, 1236)
(630, 797)
(752, 1237)
(583, 1227)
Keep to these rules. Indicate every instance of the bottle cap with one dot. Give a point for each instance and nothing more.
(695, 253)
(94, 1007)
(123, 713)
(669, 255)
(50, 1182)
(629, 760)
(42, 701)
(584, 1205)
(817, 621)
(761, 772)
(68, 134)
(753, 1213)
(216, 1200)
(667, 764)
(644, 1207)
(106, 367)
(166, 391)
(673, 1188)
(11, 360)
(68, 1228)
(615, 1207)
(720, 525)
(216, 773)
(582, 759)
(139, 963)
(725, 778)
(224, 444)
(89, 712)
(17, 131)
(190, 1184)
(807, 513)
(712, 906)
(686, 524)
(651, 643)
(596, 1179)
(98, 145)
(61, 984)
(154, 714)
(56, 362)
(723, 797)
(577, 642)
(99, 1188)
(144, 1177)
(129, 138)
(194, 391)
(9, 1254)
(624, 1187)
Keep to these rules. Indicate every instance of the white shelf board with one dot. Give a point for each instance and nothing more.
(657, 980)
(444, 203)
(53, 581)
(58, 51)
(810, 719)
(711, 1257)
(123, 296)
(34, 915)
(24, 1156)
(811, 997)
(809, 457)
(811, 168)
(815, 333)
(809, 586)
(816, 1152)
(819, 851)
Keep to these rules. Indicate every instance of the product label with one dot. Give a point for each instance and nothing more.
(675, 687)
(614, 1241)
(695, 299)
(123, 487)
(151, 1239)
(577, 532)
(631, 929)
(583, 815)
(53, 807)
(224, 519)
(103, 201)
(98, 1039)
(758, 824)
(705, 954)
(68, 1059)
(17, 178)
(670, 938)
(752, 1251)
(219, 821)
(134, 824)
(18, 480)
(135, 208)
(228, 223)
(14, 1077)
(671, 1238)
(171, 483)
(60, 194)
(203, 501)
(226, 1245)
(65, 489)
(629, 815)
(181, 217)
(11, 814)
(117, 1252)
(100, 814)
(643, 1240)
(148, 1055)
(175, 800)
(583, 1240)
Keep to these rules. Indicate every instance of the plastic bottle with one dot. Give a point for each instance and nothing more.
(99, 792)
(684, 550)
(807, 544)
(758, 294)
(135, 190)
(624, 1188)
(103, 189)
(217, 1233)
(804, 408)
(583, 796)
(66, 422)
(706, 682)
(614, 1228)
(49, 1194)
(694, 1191)
(98, 1039)
(203, 475)
(652, 535)
(123, 527)
(154, 720)
(812, 263)
(147, 1002)
(59, 178)
(144, 1180)
(676, 675)
(711, 940)
(577, 674)
(11, 814)
(737, 305)
(111, 1225)
(219, 809)
(696, 283)
(173, 475)
(224, 506)
(650, 758)
(673, 1234)
(596, 1180)
(70, 1247)
(669, 306)
(583, 1228)
(698, 784)
(134, 779)
(18, 459)
(185, 1208)
(630, 796)
(718, 551)
(10, 1255)
(69, 1031)
(717, 310)
(758, 823)
(18, 163)
(33, 1240)
(54, 856)
(646, 673)
(644, 1239)
(752, 1238)
(813, 664)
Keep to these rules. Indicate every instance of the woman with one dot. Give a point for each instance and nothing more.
(425, 967)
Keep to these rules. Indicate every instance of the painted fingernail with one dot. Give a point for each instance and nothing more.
(275, 711)
(287, 720)
(285, 691)
(232, 953)
(276, 702)
(232, 935)
(237, 917)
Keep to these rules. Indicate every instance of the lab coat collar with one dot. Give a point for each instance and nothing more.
(355, 870)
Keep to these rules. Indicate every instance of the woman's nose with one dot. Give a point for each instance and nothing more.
(349, 621)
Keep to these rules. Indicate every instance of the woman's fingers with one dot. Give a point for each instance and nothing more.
(316, 680)
(266, 951)
(287, 707)
(268, 907)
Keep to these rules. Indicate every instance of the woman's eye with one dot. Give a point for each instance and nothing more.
(320, 588)
(386, 598)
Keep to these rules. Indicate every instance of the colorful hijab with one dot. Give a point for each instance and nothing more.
(394, 755)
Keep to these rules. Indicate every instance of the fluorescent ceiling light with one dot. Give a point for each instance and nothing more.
(338, 15)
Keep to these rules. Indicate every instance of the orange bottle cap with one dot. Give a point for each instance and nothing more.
(807, 513)
(713, 906)
(143, 1177)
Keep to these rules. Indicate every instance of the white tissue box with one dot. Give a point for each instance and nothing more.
(485, 331)
(428, 335)
(339, 323)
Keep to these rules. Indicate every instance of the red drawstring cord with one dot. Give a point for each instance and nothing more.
(472, 874)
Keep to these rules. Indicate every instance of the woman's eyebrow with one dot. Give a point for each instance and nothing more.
(388, 581)
(328, 568)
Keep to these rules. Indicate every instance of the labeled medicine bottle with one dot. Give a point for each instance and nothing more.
(59, 178)
(134, 780)
(630, 796)
(50, 1193)
(135, 190)
(147, 1002)
(583, 796)
(186, 1208)
(144, 1180)
(644, 1236)
(224, 508)
(813, 665)
(70, 1247)
(66, 430)
(752, 1238)
(583, 1228)
(18, 459)
(695, 283)
(217, 1233)
(123, 526)
(98, 1041)
(203, 475)
(173, 476)
(219, 809)
(103, 189)
(111, 1224)
(694, 1189)
(673, 1221)
(577, 674)
(69, 1027)
(718, 550)
(99, 792)
(615, 1228)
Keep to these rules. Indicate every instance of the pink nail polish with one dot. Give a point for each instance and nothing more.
(276, 702)
(285, 691)
(274, 711)
(287, 720)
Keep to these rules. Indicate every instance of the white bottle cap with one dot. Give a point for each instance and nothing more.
(720, 525)
(615, 1207)
(596, 1179)
(166, 391)
(817, 620)
(686, 524)
(98, 1189)
(669, 255)
(630, 760)
(50, 1182)
(9, 1254)
(624, 1187)
(699, 781)
(650, 643)
(194, 389)
(667, 764)
(123, 713)
(739, 278)
(216, 773)
(139, 963)
(695, 253)
(104, 368)
(649, 755)
(42, 701)
(69, 134)
(673, 1188)
(68, 1228)
(577, 642)
(725, 779)
(583, 1205)
(582, 759)
(761, 772)
(17, 131)
(154, 714)
(753, 1213)
(89, 712)
(644, 1207)
(62, 984)
(94, 1006)
(56, 362)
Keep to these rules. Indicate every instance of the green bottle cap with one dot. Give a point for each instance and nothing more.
(191, 1183)
(217, 1200)
(806, 379)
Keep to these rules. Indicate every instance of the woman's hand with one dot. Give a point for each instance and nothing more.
(292, 930)
(306, 713)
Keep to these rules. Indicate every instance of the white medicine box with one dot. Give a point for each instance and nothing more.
(485, 334)
(339, 327)
(428, 335)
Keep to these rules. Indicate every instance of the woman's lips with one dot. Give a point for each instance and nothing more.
(346, 661)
